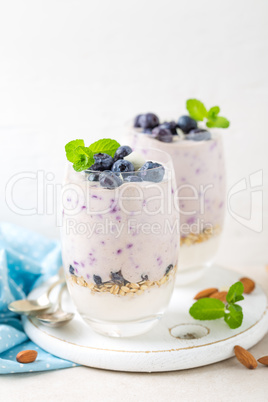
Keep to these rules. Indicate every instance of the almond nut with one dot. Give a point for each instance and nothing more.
(263, 360)
(245, 357)
(26, 356)
(205, 293)
(249, 284)
(219, 295)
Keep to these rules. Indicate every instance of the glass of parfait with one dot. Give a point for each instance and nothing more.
(119, 242)
(198, 159)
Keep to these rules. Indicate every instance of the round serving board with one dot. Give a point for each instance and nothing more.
(177, 342)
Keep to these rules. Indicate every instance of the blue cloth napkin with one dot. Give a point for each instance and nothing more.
(26, 260)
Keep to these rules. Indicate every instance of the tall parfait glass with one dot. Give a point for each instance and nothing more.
(120, 246)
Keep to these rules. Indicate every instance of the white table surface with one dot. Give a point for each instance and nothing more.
(224, 381)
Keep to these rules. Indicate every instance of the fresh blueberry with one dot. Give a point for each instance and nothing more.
(198, 134)
(148, 120)
(93, 176)
(186, 124)
(121, 152)
(97, 279)
(123, 166)
(102, 162)
(162, 134)
(169, 268)
(152, 171)
(147, 131)
(71, 270)
(171, 126)
(133, 179)
(117, 277)
(137, 121)
(110, 179)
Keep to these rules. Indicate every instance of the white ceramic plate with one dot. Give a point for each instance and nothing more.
(161, 349)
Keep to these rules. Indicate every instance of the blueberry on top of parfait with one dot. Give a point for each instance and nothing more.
(162, 134)
(133, 179)
(147, 131)
(123, 166)
(137, 121)
(186, 124)
(171, 126)
(102, 162)
(121, 152)
(152, 171)
(93, 176)
(199, 134)
(145, 121)
(110, 179)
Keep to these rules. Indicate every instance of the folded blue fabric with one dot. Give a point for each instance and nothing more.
(26, 260)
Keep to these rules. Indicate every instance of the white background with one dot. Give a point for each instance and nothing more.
(71, 69)
(82, 68)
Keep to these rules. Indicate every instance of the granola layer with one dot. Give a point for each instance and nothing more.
(194, 238)
(125, 288)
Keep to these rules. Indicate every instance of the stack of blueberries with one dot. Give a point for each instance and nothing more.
(112, 172)
(150, 124)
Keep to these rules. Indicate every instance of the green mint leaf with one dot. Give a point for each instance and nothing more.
(235, 316)
(83, 158)
(105, 146)
(235, 293)
(70, 149)
(213, 112)
(196, 109)
(220, 122)
(81, 164)
(207, 309)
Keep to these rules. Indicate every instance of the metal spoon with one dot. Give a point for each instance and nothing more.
(58, 317)
(27, 307)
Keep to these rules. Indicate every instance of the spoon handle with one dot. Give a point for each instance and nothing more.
(51, 287)
(60, 295)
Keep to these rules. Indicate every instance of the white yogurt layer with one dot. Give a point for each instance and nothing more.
(198, 254)
(115, 308)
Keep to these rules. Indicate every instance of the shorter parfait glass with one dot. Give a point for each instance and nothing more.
(120, 246)
(200, 195)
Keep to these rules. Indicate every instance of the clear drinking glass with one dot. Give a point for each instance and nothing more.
(120, 248)
(200, 191)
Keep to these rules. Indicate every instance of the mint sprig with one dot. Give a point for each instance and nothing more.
(198, 111)
(104, 146)
(71, 147)
(212, 309)
(83, 157)
(235, 293)
(234, 317)
(207, 309)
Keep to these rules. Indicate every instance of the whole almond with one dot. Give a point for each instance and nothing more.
(263, 360)
(249, 284)
(219, 295)
(245, 357)
(26, 356)
(205, 293)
